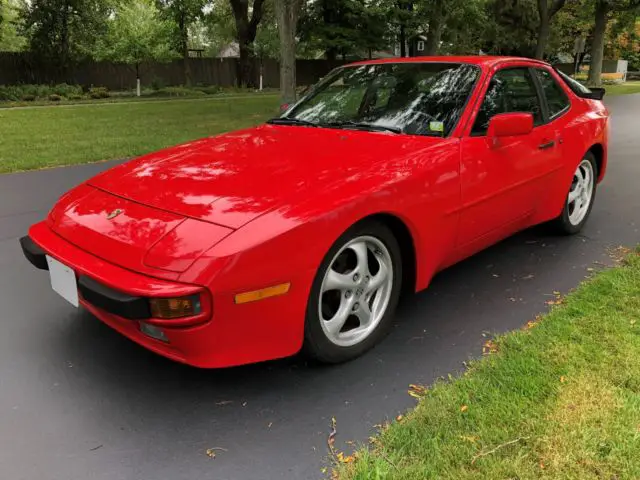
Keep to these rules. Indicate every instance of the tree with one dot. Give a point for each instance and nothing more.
(61, 31)
(287, 12)
(246, 28)
(511, 28)
(546, 13)
(219, 25)
(10, 39)
(183, 13)
(137, 34)
(267, 41)
(346, 27)
(603, 12)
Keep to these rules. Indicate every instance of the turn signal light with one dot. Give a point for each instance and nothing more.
(262, 294)
(169, 308)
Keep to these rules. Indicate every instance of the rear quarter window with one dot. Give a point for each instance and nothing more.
(557, 99)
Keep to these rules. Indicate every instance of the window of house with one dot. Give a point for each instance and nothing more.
(420, 45)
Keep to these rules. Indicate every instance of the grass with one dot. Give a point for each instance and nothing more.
(45, 137)
(623, 88)
(66, 135)
(558, 399)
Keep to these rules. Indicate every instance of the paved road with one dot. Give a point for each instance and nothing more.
(78, 401)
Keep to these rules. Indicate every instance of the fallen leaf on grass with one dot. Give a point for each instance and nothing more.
(399, 418)
(562, 379)
(489, 347)
(342, 458)
(468, 438)
(464, 408)
(417, 391)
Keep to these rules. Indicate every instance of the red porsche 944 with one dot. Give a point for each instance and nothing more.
(301, 234)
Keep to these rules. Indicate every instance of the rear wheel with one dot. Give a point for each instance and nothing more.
(354, 294)
(580, 198)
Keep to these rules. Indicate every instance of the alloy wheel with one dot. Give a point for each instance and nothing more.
(355, 291)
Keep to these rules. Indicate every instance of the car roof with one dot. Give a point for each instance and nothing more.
(481, 60)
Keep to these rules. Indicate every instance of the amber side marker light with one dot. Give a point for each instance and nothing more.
(256, 295)
(170, 308)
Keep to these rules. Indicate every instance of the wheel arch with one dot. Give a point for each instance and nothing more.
(405, 238)
(597, 149)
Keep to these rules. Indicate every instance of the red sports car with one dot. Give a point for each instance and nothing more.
(301, 234)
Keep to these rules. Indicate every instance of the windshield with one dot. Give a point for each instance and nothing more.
(411, 98)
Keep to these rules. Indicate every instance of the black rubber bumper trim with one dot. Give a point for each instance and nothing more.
(113, 301)
(34, 253)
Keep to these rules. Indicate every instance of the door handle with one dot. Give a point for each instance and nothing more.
(544, 146)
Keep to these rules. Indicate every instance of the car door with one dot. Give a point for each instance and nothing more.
(501, 182)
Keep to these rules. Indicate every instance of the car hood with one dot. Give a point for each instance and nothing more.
(231, 179)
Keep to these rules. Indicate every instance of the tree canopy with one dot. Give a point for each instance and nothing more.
(64, 31)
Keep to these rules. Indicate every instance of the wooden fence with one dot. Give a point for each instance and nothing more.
(21, 68)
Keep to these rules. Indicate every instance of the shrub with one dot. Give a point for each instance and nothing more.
(28, 98)
(75, 96)
(65, 90)
(209, 89)
(54, 97)
(9, 93)
(158, 83)
(99, 92)
(178, 92)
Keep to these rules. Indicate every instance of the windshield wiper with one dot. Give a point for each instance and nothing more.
(291, 121)
(362, 126)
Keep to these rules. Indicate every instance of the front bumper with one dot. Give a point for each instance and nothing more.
(235, 335)
(98, 295)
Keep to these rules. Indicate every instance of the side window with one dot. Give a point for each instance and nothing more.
(556, 98)
(510, 90)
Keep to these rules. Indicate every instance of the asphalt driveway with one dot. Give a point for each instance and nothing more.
(79, 401)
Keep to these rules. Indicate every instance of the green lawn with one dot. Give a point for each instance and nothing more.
(559, 399)
(49, 136)
(623, 89)
(40, 137)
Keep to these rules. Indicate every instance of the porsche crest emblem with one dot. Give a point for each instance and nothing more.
(114, 214)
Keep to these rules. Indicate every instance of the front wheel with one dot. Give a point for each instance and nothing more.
(580, 198)
(354, 294)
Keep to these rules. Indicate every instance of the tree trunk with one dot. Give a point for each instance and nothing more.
(245, 66)
(246, 35)
(436, 26)
(287, 12)
(403, 41)
(597, 46)
(543, 28)
(184, 47)
(138, 89)
(545, 13)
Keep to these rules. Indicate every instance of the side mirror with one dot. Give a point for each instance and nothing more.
(510, 125)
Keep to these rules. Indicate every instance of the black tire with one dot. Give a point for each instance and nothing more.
(562, 225)
(316, 344)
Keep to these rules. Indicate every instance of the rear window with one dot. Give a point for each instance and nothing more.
(575, 86)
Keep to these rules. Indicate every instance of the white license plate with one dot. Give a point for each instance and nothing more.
(63, 281)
